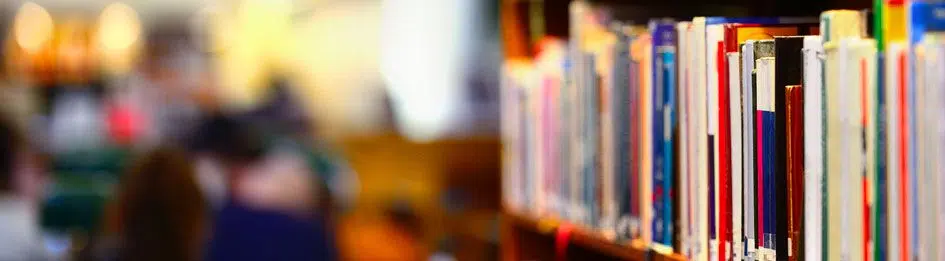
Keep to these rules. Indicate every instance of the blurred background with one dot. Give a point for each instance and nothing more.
(249, 129)
(269, 129)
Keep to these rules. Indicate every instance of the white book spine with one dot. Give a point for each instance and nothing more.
(936, 73)
(764, 68)
(700, 113)
(894, 95)
(646, 142)
(748, 66)
(813, 147)
(682, 30)
(735, 121)
(714, 35)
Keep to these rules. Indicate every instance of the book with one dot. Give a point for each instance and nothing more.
(764, 75)
(714, 36)
(787, 73)
(663, 127)
(590, 95)
(578, 77)
(794, 116)
(703, 247)
(813, 148)
(748, 124)
(930, 128)
(735, 125)
(896, 151)
(620, 103)
(916, 26)
(684, 226)
(639, 63)
(837, 26)
(645, 177)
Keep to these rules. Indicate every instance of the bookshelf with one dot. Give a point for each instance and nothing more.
(528, 238)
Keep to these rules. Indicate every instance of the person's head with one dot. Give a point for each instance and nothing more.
(231, 141)
(161, 210)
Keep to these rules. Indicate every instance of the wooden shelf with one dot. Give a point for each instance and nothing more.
(527, 238)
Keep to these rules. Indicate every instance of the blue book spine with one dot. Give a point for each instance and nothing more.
(669, 128)
(880, 225)
(564, 141)
(591, 142)
(918, 13)
(664, 85)
(771, 226)
(621, 111)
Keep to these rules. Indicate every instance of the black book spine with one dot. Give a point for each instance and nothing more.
(788, 58)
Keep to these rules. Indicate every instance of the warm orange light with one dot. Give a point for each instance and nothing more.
(33, 27)
(118, 27)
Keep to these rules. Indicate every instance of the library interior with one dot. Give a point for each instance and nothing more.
(442, 130)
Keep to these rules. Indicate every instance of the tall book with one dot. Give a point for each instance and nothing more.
(748, 147)
(813, 148)
(916, 26)
(615, 140)
(663, 127)
(684, 226)
(787, 73)
(794, 116)
(645, 199)
(930, 78)
(714, 36)
(513, 121)
(735, 125)
(590, 95)
(864, 58)
(639, 63)
(836, 26)
(700, 113)
(620, 103)
(764, 75)
(878, 153)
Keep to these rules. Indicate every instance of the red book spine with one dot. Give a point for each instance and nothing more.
(759, 149)
(725, 158)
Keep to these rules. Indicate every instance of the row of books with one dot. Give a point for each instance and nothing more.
(738, 138)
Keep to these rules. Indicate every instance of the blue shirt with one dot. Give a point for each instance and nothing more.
(243, 233)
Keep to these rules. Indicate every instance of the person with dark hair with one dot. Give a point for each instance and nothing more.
(252, 223)
(161, 213)
(20, 234)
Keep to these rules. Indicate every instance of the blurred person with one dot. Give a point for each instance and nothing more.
(266, 213)
(20, 191)
(159, 102)
(161, 213)
(286, 124)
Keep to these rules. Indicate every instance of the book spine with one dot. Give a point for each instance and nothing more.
(714, 37)
(795, 151)
(621, 108)
(684, 226)
(702, 157)
(656, 129)
(748, 124)
(663, 129)
(565, 134)
(591, 143)
(813, 147)
(765, 120)
(735, 124)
